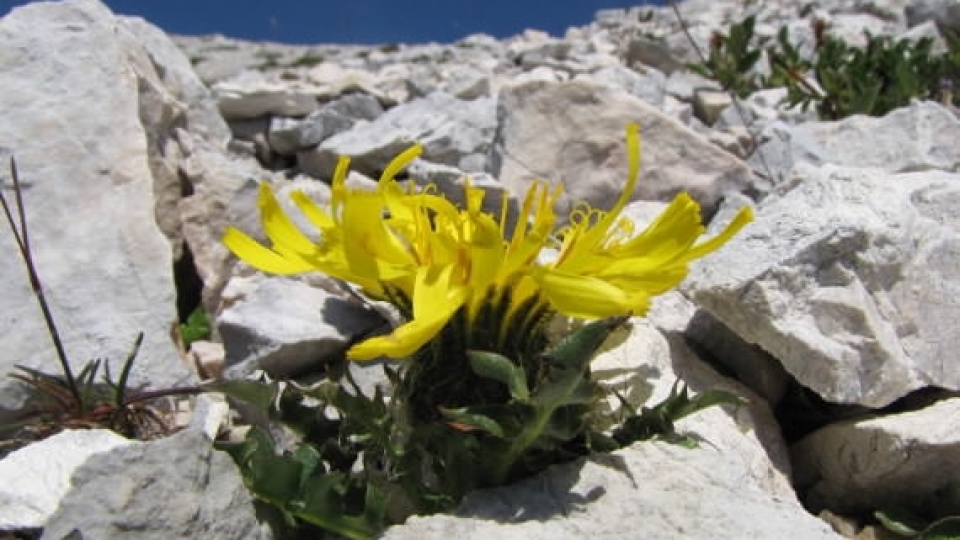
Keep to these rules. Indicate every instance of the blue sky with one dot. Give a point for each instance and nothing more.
(361, 21)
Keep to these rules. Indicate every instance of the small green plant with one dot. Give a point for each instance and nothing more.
(369, 464)
(196, 327)
(874, 80)
(307, 60)
(72, 400)
(909, 525)
(840, 80)
(271, 59)
(732, 58)
(482, 395)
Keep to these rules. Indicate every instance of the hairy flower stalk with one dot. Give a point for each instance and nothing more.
(445, 265)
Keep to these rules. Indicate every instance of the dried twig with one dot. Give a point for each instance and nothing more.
(23, 243)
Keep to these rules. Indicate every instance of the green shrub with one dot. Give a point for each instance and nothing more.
(841, 80)
(732, 59)
(874, 80)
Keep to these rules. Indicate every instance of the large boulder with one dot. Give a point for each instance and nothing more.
(37, 477)
(848, 277)
(306, 327)
(82, 101)
(946, 13)
(178, 487)
(914, 138)
(909, 460)
(572, 134)
(452, 131)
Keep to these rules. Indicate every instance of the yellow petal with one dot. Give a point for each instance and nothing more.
(667, 238)
(584, 297)
(401, 343)
(744, 216)
(435, 300)
(643, 275)
(319, 217)
(401, 161)
(369, 247)
(526, 244)
(591, 236)
(260, 257)
(279, 228)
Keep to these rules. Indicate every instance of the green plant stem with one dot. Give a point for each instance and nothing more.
(520, 445)
(167, 392)
(23, 243)
(800, 79)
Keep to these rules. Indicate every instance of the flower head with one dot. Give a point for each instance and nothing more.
(435, 260)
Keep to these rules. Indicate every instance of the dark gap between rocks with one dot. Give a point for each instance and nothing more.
(188, 283)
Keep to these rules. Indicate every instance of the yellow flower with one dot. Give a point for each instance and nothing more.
(436, 260)
(602, 270)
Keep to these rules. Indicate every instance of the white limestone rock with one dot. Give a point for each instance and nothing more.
(222, 193)
(946, 13)
(642, 363)
(466, 82)
(918, 137)
(852, 27)
(914, 138)
(683, 85)
(250, 94)
(907, 460)
(177, 487)
(749, 364)
(209, 358)
(584, 148)
(81, 101)
(35, 478)
(648, 86)
(452, 131)
(709, 103)
(330, 80)
(287, 327)
(288, 136)
(198, 107)
(651, 490)
(762, 108)
(849, 277)
(647, 52)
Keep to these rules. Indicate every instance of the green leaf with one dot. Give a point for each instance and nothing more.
(121, 386)
(309, 459)
(271, 477)
(298, 485)
(261, 395)
(558, 404)
(499, 368)
(324, 505)
(658, 421)
(899, 521)
(474, 420)
(576, 350)
(947, 528)
(196, 327)
(687, 406)
(562, 387)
